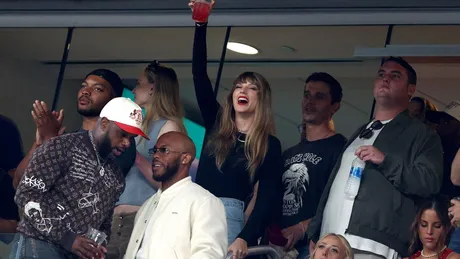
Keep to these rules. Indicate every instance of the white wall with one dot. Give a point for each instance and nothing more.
(22, 82)
(68, 102)
(440, 91)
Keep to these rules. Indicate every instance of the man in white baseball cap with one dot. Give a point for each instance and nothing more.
(126, 114)
(73, 182)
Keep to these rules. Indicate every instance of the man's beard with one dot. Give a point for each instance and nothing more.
(105, 147)
(92, 112)
(170, 172)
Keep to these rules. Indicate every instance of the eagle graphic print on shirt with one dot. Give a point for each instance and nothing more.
(307, 167)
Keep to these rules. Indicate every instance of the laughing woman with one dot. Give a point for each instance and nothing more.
(241, 163)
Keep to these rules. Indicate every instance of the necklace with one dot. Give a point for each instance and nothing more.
(102, 170)
(432, 255)
(241, 140)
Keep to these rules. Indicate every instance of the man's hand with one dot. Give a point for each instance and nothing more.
(370, 153)
(293, 234)
(86, 248)
(454, 211)
(49, 123)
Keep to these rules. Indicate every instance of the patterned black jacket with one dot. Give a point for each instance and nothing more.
(63, 191)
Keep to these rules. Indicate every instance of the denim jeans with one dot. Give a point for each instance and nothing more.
(234, 211)
(454, 243)
(122, 227)
(27, 248)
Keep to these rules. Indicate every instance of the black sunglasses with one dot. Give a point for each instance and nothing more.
(163, 150)
(369, 132)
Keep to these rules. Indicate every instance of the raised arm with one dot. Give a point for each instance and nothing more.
(49, 125)
(204, 92)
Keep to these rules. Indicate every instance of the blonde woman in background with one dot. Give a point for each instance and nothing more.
(332, 246)
(157, 92)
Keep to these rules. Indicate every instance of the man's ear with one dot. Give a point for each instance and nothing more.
(411, 90)
(105, 124)
(186, 159)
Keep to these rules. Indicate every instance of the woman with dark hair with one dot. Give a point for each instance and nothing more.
(431, 230)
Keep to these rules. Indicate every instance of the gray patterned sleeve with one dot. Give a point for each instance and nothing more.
(47, 164)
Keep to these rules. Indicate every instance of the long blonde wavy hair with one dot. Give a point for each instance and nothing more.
(225, 136)
(165, 103)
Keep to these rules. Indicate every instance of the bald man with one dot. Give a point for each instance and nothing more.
(182, 220)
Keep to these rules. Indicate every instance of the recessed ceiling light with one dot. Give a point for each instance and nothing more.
(242, 48)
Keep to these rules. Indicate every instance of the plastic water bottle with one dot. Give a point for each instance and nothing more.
(354, 179)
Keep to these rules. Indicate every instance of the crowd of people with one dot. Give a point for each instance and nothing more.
(126, 173)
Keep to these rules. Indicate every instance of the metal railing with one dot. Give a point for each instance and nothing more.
(260, 250)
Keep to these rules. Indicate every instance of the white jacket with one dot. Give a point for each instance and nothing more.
(183, 222)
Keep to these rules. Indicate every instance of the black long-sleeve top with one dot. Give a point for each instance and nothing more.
(233, 179)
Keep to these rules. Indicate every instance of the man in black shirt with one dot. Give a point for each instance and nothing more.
(307, 165)
(10, 156)
(98, 88)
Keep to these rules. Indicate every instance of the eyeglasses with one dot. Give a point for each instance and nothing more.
(163, 150)
(369, 132)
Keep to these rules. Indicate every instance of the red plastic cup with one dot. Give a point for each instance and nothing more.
(201, 10)
(275, 236)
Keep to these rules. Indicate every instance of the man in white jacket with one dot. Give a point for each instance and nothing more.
(182, 220)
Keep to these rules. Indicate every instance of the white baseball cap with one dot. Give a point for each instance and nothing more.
(126, 114)
(452, 110)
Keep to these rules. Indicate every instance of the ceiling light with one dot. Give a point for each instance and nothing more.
(242, 48)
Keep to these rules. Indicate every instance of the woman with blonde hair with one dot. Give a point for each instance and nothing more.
(241, 162)
(332, 246)
(157, 92)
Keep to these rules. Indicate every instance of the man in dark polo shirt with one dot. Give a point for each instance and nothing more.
(99, 87)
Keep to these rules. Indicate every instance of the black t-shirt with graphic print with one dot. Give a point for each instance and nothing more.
(307, 167)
